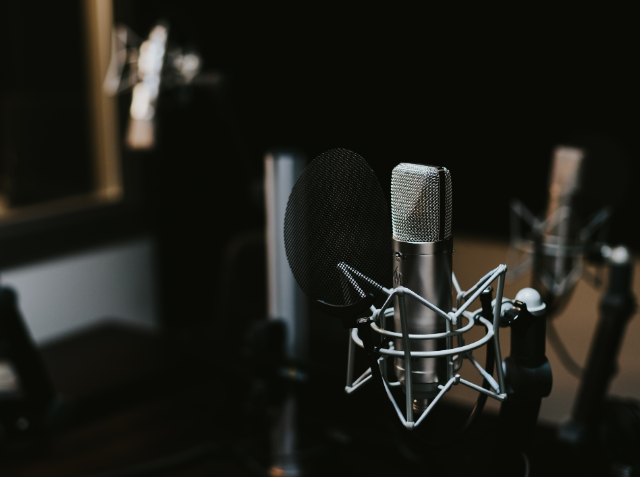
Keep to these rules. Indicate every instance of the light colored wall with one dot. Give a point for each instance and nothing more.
(67, 293)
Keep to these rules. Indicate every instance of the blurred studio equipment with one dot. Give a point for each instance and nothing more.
(573, 233)
(286, 301)
(146, 67)
(337, 229)
(27, 397)
(286, 304)
(586, 181)
(609, 428)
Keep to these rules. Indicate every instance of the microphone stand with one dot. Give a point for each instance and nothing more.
(528, 380)
(589, 417)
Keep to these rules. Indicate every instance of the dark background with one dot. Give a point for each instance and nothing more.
(486, 93)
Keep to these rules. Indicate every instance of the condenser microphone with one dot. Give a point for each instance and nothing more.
(587, 179)
(421, 210)
(556, 261)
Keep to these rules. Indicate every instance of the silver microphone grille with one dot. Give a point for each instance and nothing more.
(421, 203)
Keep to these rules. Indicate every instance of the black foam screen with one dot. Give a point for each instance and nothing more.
(337, 229)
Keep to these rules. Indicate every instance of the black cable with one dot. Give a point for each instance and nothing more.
(561, 350)
(482, 398)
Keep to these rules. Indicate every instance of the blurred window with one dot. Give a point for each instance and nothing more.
(58, 132)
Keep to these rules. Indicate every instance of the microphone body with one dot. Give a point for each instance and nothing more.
(422, 248)
(425, 268)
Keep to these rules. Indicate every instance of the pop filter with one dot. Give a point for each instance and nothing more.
(337, 231)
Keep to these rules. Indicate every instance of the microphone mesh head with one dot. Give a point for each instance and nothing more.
(421, 203)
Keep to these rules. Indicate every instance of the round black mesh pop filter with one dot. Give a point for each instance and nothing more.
(337, 230)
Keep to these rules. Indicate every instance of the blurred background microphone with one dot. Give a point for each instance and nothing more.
(421, 210)
(285, 302)
(556, 256)
(587, 181)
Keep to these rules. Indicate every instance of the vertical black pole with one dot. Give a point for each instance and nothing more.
(616, 308)
(528, 377)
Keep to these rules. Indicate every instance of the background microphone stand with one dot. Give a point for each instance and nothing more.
(609, 429)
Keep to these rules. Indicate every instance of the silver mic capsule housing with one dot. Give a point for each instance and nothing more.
(421, 210)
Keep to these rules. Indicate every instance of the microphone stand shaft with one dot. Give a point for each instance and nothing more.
(616, 307)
